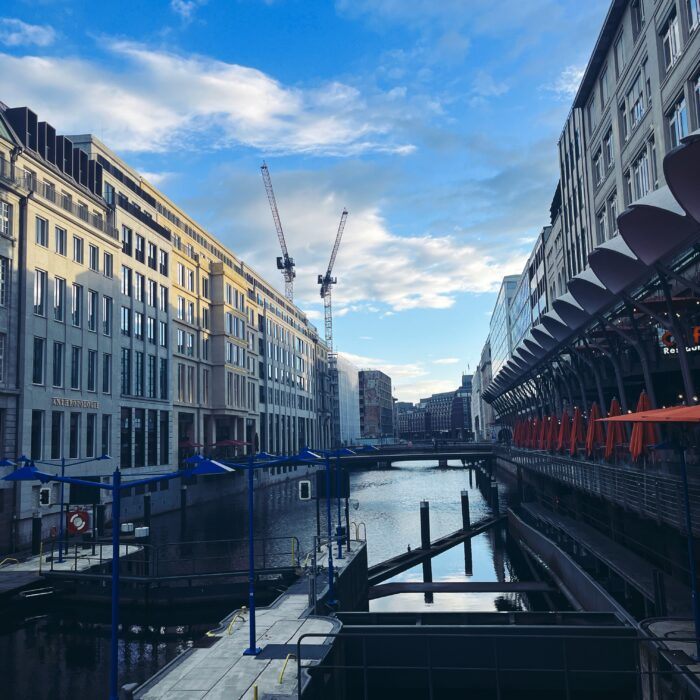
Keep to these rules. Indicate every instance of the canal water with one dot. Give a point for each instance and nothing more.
(62, 654)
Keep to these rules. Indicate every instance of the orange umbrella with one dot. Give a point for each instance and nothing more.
(643, 434)
(616, 433)
(552, 433)
(577, 432)
(673, 414)
(563, 432)
(595, 435)
(543, 434)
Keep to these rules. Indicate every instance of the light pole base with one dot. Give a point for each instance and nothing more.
(252, 651)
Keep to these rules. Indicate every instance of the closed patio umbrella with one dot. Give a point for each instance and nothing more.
(552, 433)
(564, 432)
(643, 434)
(595, 436)
(616, 433)
(544, 423)
(577, 432)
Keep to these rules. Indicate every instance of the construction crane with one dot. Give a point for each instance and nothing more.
(327, 282)
(284, 262)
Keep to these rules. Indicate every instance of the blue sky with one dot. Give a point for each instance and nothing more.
(434, 123)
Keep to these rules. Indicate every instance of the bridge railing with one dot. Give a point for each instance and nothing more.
(649, 493)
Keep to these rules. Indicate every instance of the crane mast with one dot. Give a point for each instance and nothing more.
(284, 262)
(327, 281)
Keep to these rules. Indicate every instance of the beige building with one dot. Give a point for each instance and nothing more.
(127, 330)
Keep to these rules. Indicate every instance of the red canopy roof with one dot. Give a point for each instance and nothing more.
(674, 414)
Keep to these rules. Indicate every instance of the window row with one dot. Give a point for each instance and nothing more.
(82, 435)
(82, 366)
(135, 245)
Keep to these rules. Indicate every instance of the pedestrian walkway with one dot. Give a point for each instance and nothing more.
(221, 671)
(18, 574)
(637, 572)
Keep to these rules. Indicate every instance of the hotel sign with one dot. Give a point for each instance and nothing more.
(74, 403)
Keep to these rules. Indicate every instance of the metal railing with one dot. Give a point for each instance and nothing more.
(649, 493)
(576, 673)
(28, 181)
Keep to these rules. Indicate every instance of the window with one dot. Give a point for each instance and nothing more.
(109, 193)
(94, 257)
(140, 253)
(592, 115)
(3, 347)
(56, 434)
(693, 15)
(678, 122)
(152, 376)
(126, 281)
(106, 434)
(190, 280)
(58, 361)
(181, 308)
(163, 262)
(152, 293)
(624, 127)
(151, 329)
(205, 348)
(181, 274)
(126, 371)
(4, 272)
(76, 367)
(654, 169)
(42, 232)
(138, 325)
(77, 305)
(151, 256)
(205, 287)
(190, 344)
(598, 168)
(90, 427)
(629, 191)
(106, 373)
(78, 249)
(163, 298)
(163, 378)
(635, 101)
(107, 305)
(620, 55)
(604, 88)
(59, 299)
(92, 310)
(190, 312)
(640, 174)
(92, 370)
(108, 265)
(139, 286)
(637, 13)
(602, 226)
(38, 361)
(37, 434)
(181, 341)
(138, 373)
(40, 277)
(74, 436)
(126, 321)
(60, 237)
(126, 240)
(671, 41)
(163, 334)
(205, 317)
(609, 150)
(5, 218)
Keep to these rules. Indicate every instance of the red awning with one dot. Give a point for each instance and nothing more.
(674, 414)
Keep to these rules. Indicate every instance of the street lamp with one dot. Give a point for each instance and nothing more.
(29, 472)
(262, 460)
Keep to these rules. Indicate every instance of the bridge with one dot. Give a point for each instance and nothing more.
(467, 452)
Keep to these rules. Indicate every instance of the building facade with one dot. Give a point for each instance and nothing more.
(376, 404)
(128, 330)
(500, 324)
(348, 401)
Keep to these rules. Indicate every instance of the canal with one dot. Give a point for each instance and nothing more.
(61, 652)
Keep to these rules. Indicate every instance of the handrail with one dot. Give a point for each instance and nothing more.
(16, 561)
(237, 616)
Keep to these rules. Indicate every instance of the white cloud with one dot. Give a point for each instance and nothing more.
(415, 391)
(14, 32)
(185, 8)
(393, 369)
(158, 101)
(446, 361)
(566, 84)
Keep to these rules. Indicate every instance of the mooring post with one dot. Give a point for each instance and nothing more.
(36, 533)
(494, 496)
(425, 525)
(466, 521)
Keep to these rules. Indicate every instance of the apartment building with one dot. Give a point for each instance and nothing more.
(127, 330)
(376, 404)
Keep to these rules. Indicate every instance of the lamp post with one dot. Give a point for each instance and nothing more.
(29, 472)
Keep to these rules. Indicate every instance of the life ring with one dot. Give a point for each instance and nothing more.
(78, 521)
